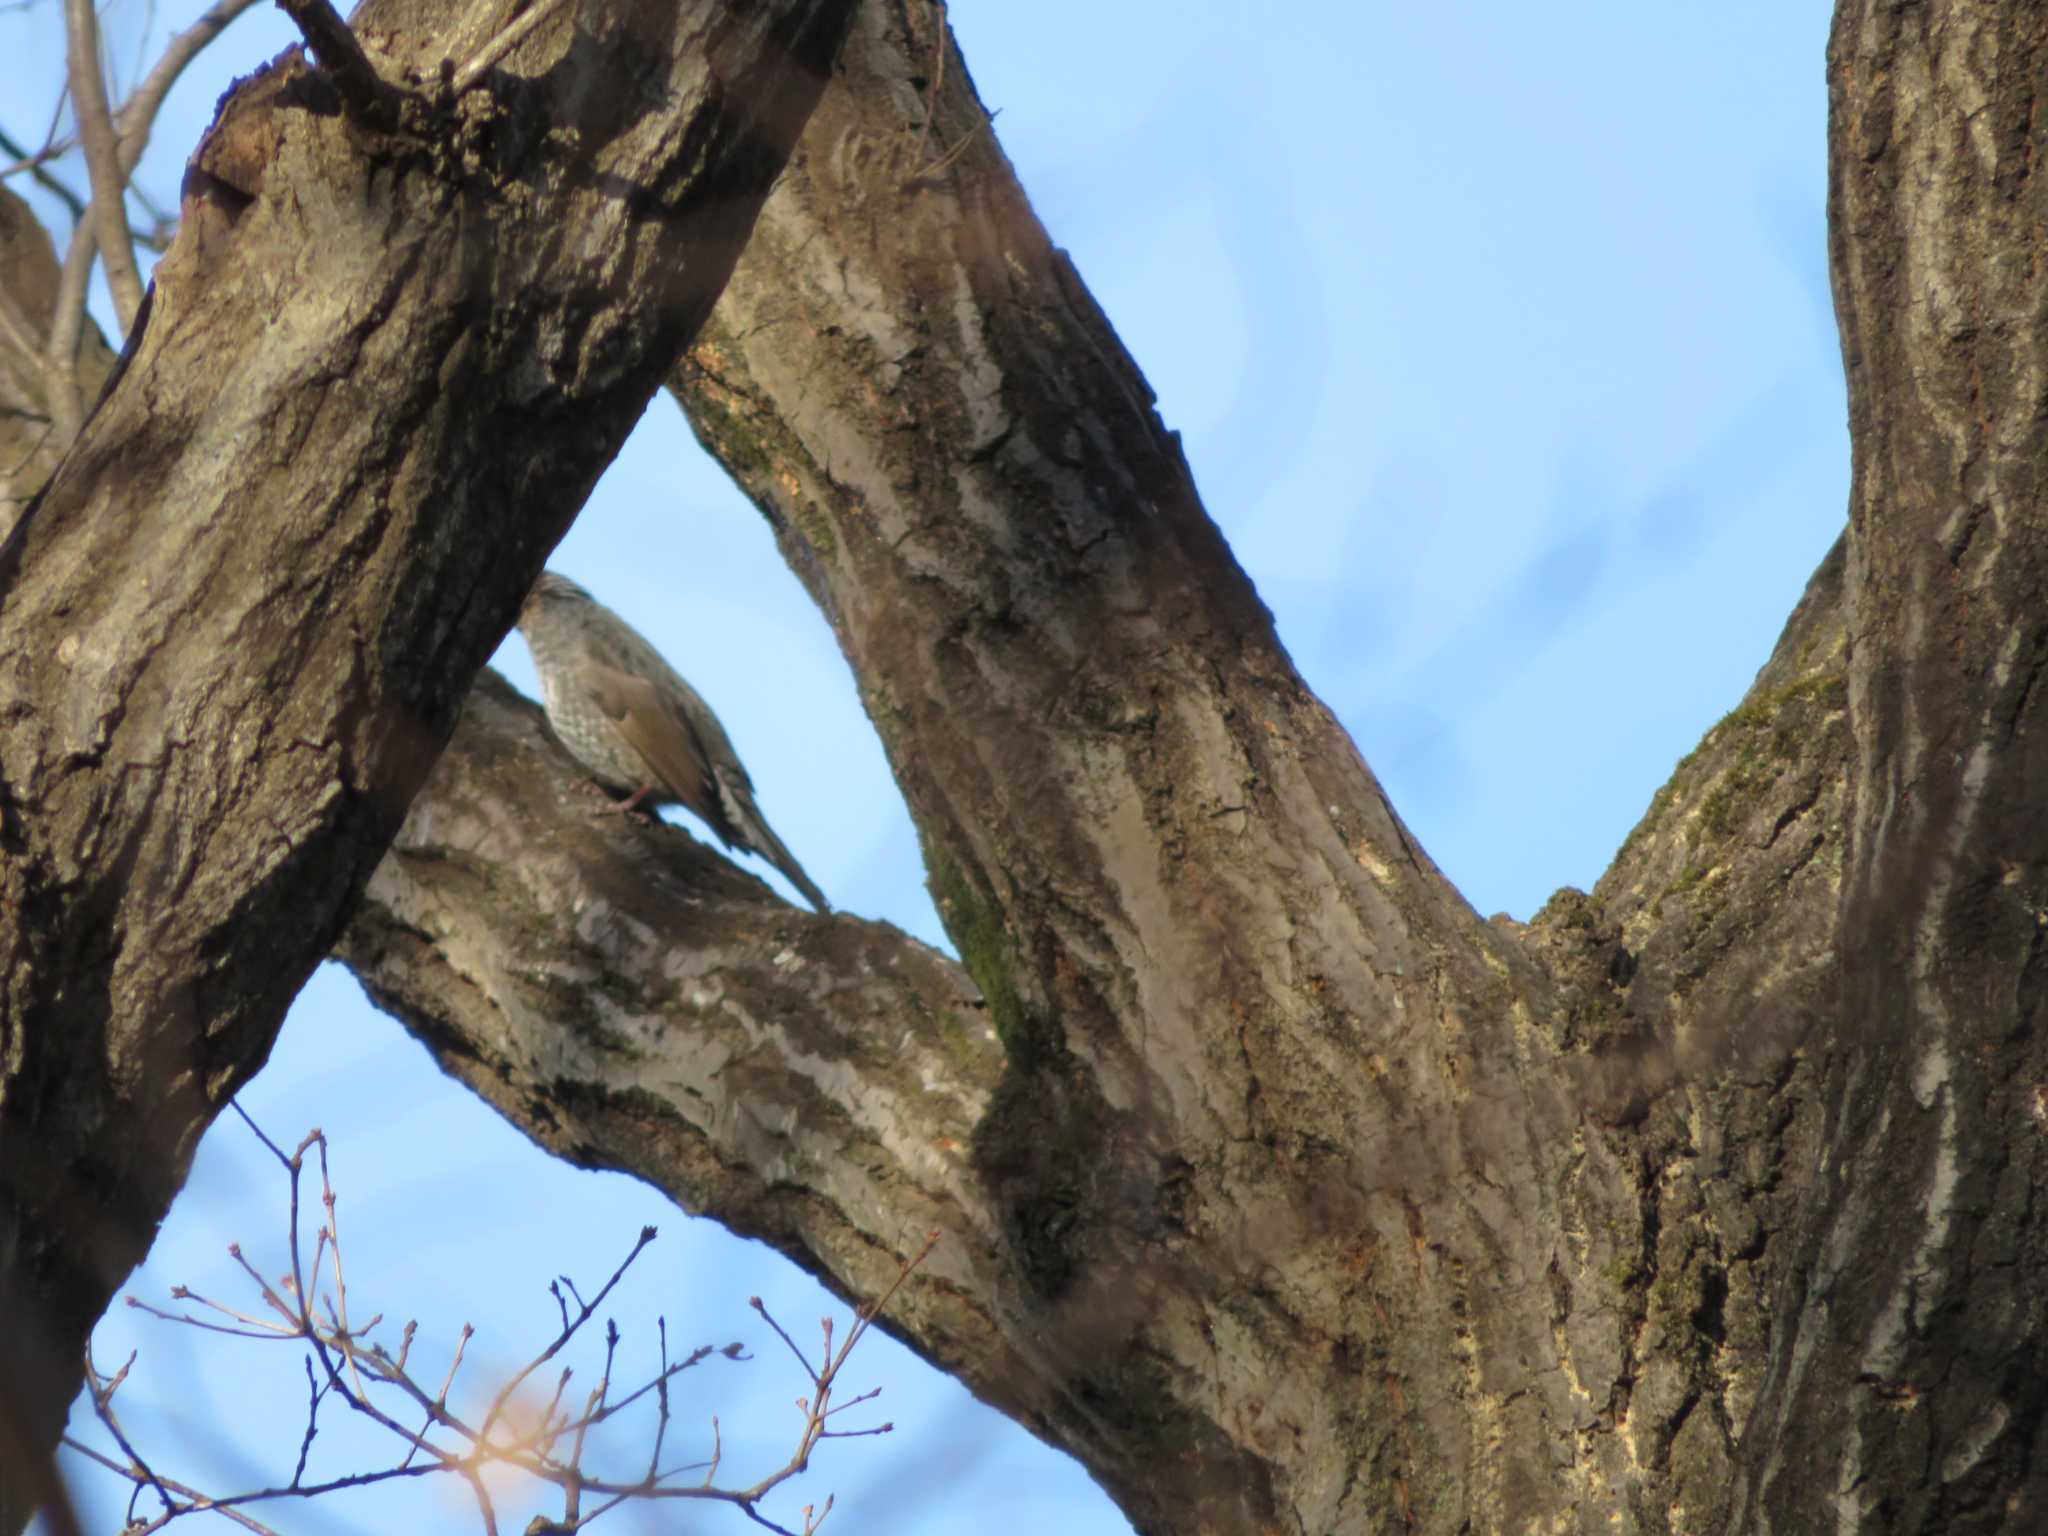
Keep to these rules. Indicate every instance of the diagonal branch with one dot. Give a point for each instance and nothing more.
(207, 751)
(774, 1047)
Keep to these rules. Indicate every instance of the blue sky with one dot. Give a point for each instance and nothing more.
(1499, 339)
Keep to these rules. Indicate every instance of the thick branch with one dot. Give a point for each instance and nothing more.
(375, 383)
(1272, 1101)
(1391, 1226)
(812, 1082)
(1916, 1321)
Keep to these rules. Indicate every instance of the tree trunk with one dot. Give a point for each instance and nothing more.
(374, 383)
(1300, 1198)
(1272, 1182)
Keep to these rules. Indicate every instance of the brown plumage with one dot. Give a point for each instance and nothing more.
(639, 729)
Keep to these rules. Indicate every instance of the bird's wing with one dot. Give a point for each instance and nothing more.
(674, 756)
(696, 761)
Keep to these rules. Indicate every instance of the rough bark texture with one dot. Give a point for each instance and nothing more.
(1271, 1092)
(1272, 1183)
(381, 366)
(1323, 1206)
(1917, 1324)
(631, 1000)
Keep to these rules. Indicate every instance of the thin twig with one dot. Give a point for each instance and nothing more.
(138, 114)
(34, 163)
(955, 152)
(661, 1398)
(312, 1421)
(102, 159)
(647, 1235)
(102, 1393)
(437, 1410)
(769, 1319)
(256, 1327)
(197, 1499)
(327, 1199)
(572, 1507)
(294, 1320)
(502, 44)
(483, 1503)
(717, 1453)
(354, 1367)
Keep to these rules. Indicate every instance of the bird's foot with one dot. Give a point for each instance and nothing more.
(630, 806)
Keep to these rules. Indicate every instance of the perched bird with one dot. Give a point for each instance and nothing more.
(637, 727)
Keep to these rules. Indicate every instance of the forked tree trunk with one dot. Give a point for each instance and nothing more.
(1272, 1182)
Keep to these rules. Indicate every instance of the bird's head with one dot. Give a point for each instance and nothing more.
(550, 592)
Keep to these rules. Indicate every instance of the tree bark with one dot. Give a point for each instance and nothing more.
(1323, 1206)
(1271, 1182)
(1916, 1323)
(380, 368)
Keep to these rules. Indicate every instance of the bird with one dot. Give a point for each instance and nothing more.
(637, 728)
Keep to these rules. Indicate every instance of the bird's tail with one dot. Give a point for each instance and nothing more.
(756, 835)
(771, 849)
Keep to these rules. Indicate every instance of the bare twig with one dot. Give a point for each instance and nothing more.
(552, 1451)
(102, 1393)
(437, 1410)
(769, 1318)
(196, 1500)
(102, 159)
(283, 1308)
(954, 153)
(717, 1453)
(647, 1235)
(33, 163)
(483, 1503)
(496, 49)
(327, 1201)
(138, 113)
(314, 1394)
(661, 1395)
(256, 1327)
